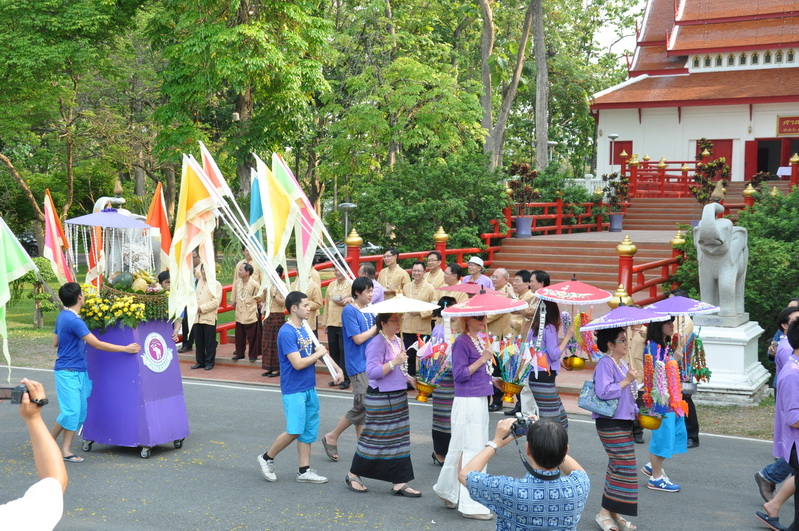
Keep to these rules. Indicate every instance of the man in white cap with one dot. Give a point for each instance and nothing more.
(476, 276)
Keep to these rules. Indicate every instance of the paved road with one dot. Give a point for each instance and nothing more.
(213, 482)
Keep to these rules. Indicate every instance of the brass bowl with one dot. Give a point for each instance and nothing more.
(510, 390)
(574, 363)
(650, 423)
(425, 389)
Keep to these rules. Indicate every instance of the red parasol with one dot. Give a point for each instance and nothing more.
(573, 292)
(484, 304)
(469, 288)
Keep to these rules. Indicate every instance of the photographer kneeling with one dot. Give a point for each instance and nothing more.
(43, 504)
(551, 495)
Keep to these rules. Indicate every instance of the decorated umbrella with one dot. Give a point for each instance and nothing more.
(624, 316)
(109, 218)
(484, 304)
(400, 304)
(693, 363)
(469, 288)
(573, 292)
(681, 306)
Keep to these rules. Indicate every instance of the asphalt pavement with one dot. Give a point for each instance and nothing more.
(213, 481)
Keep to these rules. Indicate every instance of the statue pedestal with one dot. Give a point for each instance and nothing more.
(737, 376)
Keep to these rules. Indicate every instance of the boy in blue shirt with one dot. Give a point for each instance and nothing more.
(72, 383)
(297, 357)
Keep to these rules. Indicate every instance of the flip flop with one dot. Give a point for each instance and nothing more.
(403, 491)
(772, 521)
(73, 459)
(330, 449)
(357, 480)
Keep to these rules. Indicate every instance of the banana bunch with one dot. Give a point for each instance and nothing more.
(145, 275)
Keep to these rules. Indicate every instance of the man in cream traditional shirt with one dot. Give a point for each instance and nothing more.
(417, 323)
(392, 277)
(499, 325)
(257, 274)
(209, 295)
(520, 320)
(244, 297)
(315, 301)
(435, 275)
(338, 296)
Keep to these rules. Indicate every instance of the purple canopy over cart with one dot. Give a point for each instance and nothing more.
(136, 399)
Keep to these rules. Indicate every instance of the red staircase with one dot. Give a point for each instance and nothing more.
(591, 257)
(655, 213)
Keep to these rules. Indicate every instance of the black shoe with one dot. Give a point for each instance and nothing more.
(332, 384)
(267, 374)
(638, 437)
(495, 407)
(274, 375)
(237, 358)
(765, 487)
(197, 366)
(512, 412)
(183, 349)
(209, 367)
(693, 443)
(345, 385)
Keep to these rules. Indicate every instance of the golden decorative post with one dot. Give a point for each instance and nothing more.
(620, 298)
(441, 238)
(353, 243)
(749, 194)
(626, 251)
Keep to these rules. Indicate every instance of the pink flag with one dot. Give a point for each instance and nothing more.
(55, 243)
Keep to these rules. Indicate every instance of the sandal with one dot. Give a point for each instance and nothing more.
(773, 522)
(403, 491)
(357, 480)
(606, 523)
(330, 449)
(623, 524)
(73, 459)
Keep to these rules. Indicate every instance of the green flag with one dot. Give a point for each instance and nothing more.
(14, 262)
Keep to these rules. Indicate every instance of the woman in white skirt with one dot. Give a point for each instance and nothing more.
(471, 370)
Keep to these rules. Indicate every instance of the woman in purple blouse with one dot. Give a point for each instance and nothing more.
(384, 447)
(615, 379)
(471, 369)
(543, 385)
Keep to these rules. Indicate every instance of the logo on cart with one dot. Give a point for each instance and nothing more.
(157, 355)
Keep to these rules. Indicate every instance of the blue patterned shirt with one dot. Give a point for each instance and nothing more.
(530, 503)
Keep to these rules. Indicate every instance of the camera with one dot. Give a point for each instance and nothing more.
(519, 428)
(13, 393)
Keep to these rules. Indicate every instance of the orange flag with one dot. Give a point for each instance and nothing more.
(157, 219)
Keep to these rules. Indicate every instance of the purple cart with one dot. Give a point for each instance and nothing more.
(136, 399)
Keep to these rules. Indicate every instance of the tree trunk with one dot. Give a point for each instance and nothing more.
(541, 88)
(139, 176)
(244, 106)
(169, 192)
(24, 186)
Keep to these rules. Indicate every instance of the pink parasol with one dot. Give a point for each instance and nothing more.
(573, 292)
(469, 288)
(484, 304)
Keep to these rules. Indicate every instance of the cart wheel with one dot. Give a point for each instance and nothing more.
(145, 453)
(178, 444)
(87, 446)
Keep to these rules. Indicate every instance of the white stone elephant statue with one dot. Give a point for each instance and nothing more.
(723, 254)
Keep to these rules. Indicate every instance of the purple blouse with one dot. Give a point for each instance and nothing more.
(787, 411)
(377, 293)
(464, 354)
(481, 280)
(784, 352)
(550, 345)
(607, 378)
(378, 353)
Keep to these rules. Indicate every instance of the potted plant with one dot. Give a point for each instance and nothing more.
(709, 176)
(523, 193)
(617, 195)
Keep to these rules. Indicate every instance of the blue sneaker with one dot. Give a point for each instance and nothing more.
(647, 470)
(663, 483)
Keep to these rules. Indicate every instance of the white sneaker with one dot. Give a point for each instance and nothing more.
(267, 468)
(310, 476)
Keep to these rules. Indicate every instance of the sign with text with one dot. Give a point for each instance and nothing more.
(787, 125)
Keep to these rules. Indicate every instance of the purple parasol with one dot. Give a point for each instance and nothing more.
(681, 306)
(624, 316)
(110, 219)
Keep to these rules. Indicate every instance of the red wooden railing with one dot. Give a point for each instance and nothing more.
(638, 278)
(557, 217)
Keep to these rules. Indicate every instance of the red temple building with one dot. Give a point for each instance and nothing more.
(724, 70)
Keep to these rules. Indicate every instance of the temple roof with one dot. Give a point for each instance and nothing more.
(654, 60)
(658, 20)
(740, 35)
(721, 10)
(710, 88)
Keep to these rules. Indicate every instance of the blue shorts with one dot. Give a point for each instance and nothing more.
(302, 415)
(671, 438)
(73, 389)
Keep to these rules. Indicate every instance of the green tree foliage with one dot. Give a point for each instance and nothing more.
(413, 200)
(772, 275)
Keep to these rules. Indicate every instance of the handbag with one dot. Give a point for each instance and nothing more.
(591, 402)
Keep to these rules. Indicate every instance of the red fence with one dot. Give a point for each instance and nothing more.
(648, 276)
(560, 218)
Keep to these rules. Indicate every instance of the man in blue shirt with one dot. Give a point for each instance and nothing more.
(72, 383)
(358, 329)
(297, 357)
(551, 496)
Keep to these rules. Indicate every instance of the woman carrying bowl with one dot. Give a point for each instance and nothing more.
(615, 379)
(442, 395)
